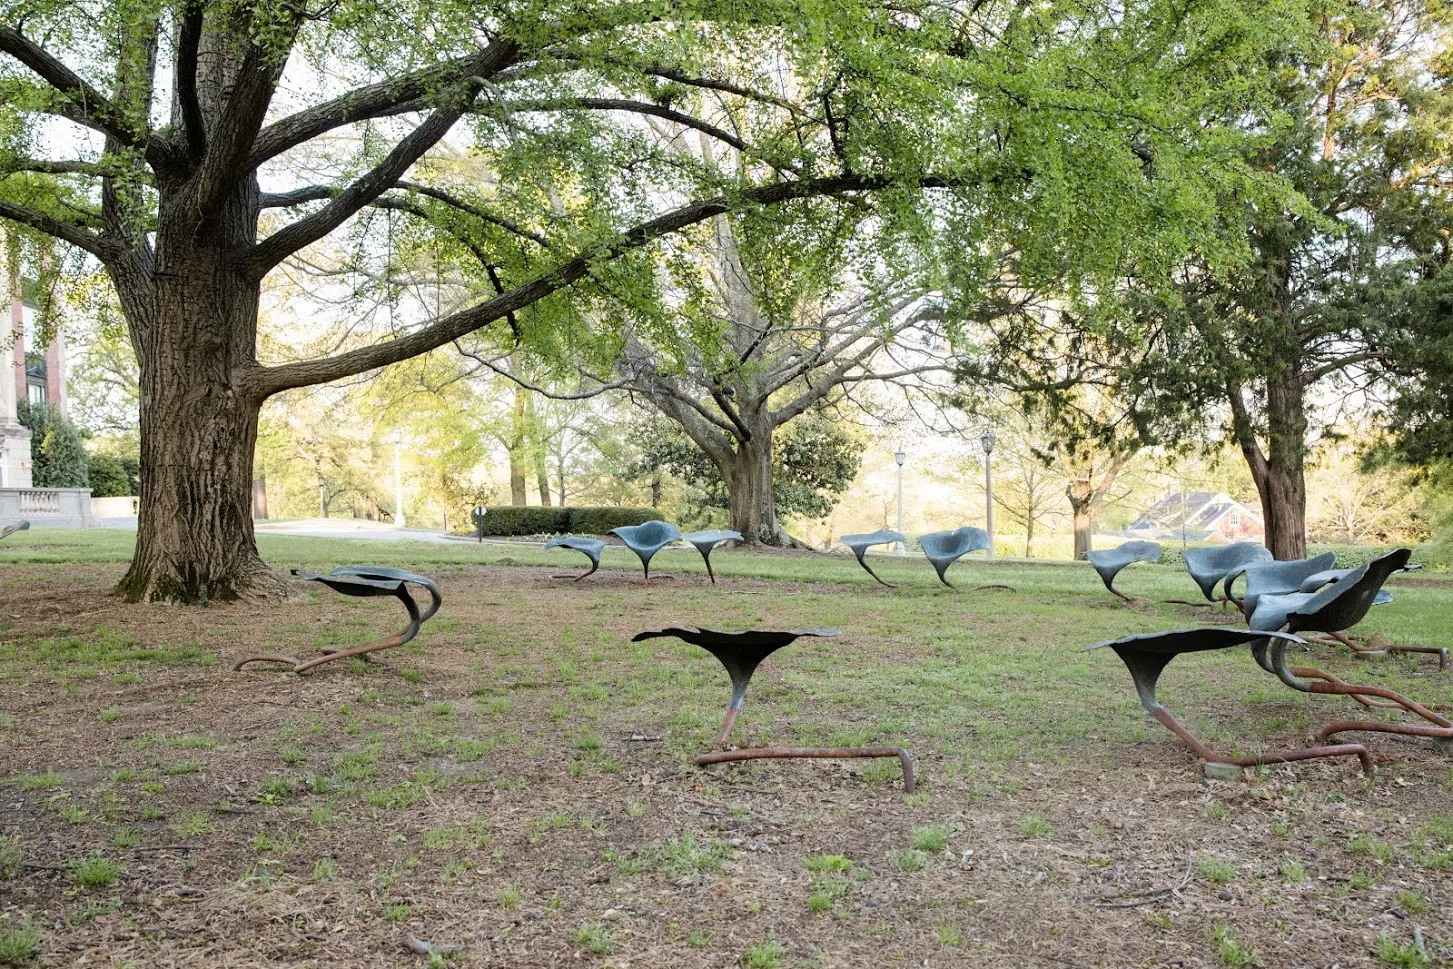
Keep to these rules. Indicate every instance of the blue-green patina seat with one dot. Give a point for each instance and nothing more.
(1209, 566)
(647, 539)
(943, 549)
(589, 547)
(861, 543)
(708, 540)
(1110, 562)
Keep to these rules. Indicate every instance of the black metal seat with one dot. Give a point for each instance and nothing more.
(1334, 609)
(741, 654)
(708, 540)
(647, 539)
(589, 547)
(1109, 563)
(1147, 655)
(861, 543)
(364, 581)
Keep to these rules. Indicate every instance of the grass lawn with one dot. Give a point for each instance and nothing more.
(517, 782)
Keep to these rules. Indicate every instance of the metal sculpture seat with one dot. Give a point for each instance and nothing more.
(1276, 578)
(1332, 610)
(647, 539)
(590, 547)
(1209, 566)
(365, 581)
(741, 654)
(1146, 656)
(9, 530)
(861, 543)
(1109, 563)
(943, 549)
(706, 541)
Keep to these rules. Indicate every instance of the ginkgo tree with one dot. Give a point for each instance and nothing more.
(192, 147)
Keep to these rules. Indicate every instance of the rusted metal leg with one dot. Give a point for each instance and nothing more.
(995, 585)
(870, 571)
(706, 556)
(1188, 602)
(1374, 648)
(733, 711)
(1440, 728)
(1168, 720)
(910, 783)
(329, 656)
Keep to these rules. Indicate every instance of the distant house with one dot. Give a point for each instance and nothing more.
(1201, 516)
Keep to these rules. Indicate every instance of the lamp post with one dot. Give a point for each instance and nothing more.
(987, 440)
(322, 497)
(397, 440)
(900, 457)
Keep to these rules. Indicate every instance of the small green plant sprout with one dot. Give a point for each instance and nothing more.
(96, 871)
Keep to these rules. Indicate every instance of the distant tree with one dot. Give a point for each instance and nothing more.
(57, 454)
(107, 476)
(813, 463)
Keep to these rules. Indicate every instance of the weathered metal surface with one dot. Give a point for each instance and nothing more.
(647, 539)
(740, 654)
(9, 530)
(943, 549)
(1109, 563)
(1209, 566)
(708, 540)
(1274, 578)
(364, 581)
(1335, 609)
(861, 543)
(1146, 657)
(589, 547)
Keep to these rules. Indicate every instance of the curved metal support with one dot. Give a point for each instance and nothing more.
(19, 526)
(910, 783)
(1311, 680)
(875, 575)
(1147, 656)
(706, 541)
(589, 547)
(367, 582)
(861, 543)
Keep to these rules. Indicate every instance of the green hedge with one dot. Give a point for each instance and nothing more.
(508, 520)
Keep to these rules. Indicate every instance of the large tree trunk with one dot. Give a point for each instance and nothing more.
(749, 492)
(193, 324)
(517, 450)
(1280, 473)
(1082, 509)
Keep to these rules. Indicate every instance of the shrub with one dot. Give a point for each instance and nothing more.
(598, 521)
(535, 520)
(108, 476)
(57, 456)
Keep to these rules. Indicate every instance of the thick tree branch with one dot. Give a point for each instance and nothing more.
(376, 100)
(633, 107)
(189, 38)
(318, 193)
(64, 231)
(95, 109)
(232, 139)
(1341, 363)
(270, 380)
(258, 259)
